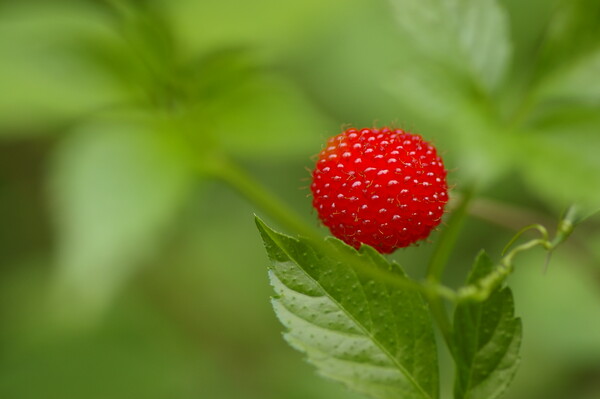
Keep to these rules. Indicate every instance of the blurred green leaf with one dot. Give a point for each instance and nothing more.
(247, 108)
(571, 32)
(526, 31)
(266, 115)
(42, 80)
(487, 339)
(141, 57)
(456, 55)
(204, 25)
(576, 81)
(372, 336)
(470, 35)
(562, 165)
(116, 185)
(461, 122)
(215, 74)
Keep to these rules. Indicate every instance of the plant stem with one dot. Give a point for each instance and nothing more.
(226, 171)
(482, 289)
(249, 188)
(447, 239)
(437, 264)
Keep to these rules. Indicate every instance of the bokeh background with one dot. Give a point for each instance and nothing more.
(128, 271)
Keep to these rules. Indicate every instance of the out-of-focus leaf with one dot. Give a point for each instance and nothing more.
(576, 81)
(141, 57)
(370, 335)
(571, 32)
(562, 164)
(266, 115)
(456, 54)
(526, 31)
(470, 35)
(41, 80)
(217, 73)
(461, 122)
(487, 339)
(115, 187)
(200, 24)
(246, 108)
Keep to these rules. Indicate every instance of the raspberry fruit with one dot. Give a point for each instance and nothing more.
(382, 187)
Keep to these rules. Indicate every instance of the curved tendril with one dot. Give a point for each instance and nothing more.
(536, 226)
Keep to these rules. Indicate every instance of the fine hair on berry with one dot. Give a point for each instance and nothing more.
(382, 187)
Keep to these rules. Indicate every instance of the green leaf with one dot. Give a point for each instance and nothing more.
(48, 81)
(115, 186)
(456, 54)
(487, 338)
(469, 35)
(562, 165)
(199, 24)
(370, 335)
(265, 115)
(572, 31)
(577, 81)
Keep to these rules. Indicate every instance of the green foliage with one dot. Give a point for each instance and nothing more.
(108, 110)
(576, 82)
(116, 185)
(458, 55)
(458, 78)
(573, 170)
(487, 338)
(572, 32)
(470, 36)
(48, 83)
(372, 336)
(140, 116)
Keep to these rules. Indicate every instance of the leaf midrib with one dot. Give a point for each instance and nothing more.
(362, 328)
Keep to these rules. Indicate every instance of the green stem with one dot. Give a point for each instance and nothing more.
(252, 190)
(228, 172)
(566, 225)
(483, 288)
(447, 240)
(437, 264)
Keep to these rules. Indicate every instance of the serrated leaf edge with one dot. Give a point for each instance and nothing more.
(264, 229)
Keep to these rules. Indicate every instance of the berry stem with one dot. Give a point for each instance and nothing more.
(252, 190)
(229, 173)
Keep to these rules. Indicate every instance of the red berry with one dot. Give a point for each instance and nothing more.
(381, 187)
